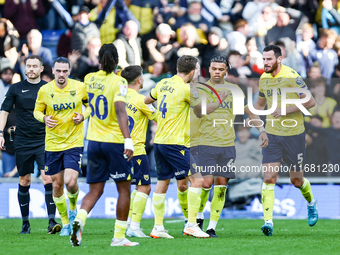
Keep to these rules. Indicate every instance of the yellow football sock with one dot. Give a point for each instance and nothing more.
(158, 201)
(133, 195)
(204, 198)
(306, 190)
(217, 202)
(73, 199)
(268, 198)
(82, 214)
(194, 202)
(139, 206)
(120, 229)
(183, 202)
(60, 203)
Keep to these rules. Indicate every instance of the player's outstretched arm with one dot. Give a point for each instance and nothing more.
(124, 127)
(3, 121)
(211, 107)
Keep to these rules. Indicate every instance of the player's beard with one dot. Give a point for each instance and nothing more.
(62, 82)
(272, 69)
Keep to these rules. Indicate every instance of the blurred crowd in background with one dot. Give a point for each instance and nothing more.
(154, 33)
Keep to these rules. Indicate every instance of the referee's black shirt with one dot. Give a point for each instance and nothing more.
(29, 133)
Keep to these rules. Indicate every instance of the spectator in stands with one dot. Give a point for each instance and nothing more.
(253, 58)
(330, 15)
(316, 152)
(143, 12)
(248, 154)
(237, 38)
(83, 30)
(107, 28)
(217, 46)
(231, 12)
(336, 84)
(304, 45)
(24, 15)
(194, 17)
(288, 20)
(290, 57)
(128, 43)
(160, 49)
(332, 137)
(236, 61)
(324, 53)
(264, 22)
(34, 41)
(324, 106)
(9, 40)
(253, 10)
(189, 41)
(84, 64)
(314, 71)
(167, 12)
(6, 76)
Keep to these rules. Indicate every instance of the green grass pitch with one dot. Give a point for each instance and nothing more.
(241, 236)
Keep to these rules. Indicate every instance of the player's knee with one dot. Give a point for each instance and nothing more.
(207, 183)
(197, 182)
(25, 180)
(297, 182)
(182, 187)
(71, 183)
(146, 189)
(269, 180)
(57, 186)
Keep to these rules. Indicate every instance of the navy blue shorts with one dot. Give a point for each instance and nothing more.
(290, 149)
(172, 160)
(141, 170)
(106, 160)
(25, 157)
(56, 161)
(216, 161)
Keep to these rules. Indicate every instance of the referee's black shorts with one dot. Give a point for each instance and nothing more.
(25, 157)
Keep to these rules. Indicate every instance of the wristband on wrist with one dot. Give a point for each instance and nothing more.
(262, 129)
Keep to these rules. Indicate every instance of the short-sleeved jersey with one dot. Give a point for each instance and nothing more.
(223, 133)
(324, 110)
(173, 101)
(286, 78)
(61, 104)
(139, 114)
(29, 133)
(104, 90)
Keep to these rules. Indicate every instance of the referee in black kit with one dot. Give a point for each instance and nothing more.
(29, 142)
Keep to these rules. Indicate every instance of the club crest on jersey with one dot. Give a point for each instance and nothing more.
(73, 92)
(299, 80)
(139, 161)
(146, 177)
(279, 79)
(52, 95)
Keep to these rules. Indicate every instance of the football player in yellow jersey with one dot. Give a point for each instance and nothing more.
(139, 115)
(215, 151)
(59, 105)
(110, 148)
(172, 157)
(286, 143)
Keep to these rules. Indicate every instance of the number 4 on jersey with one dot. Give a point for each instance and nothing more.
(162, 107)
